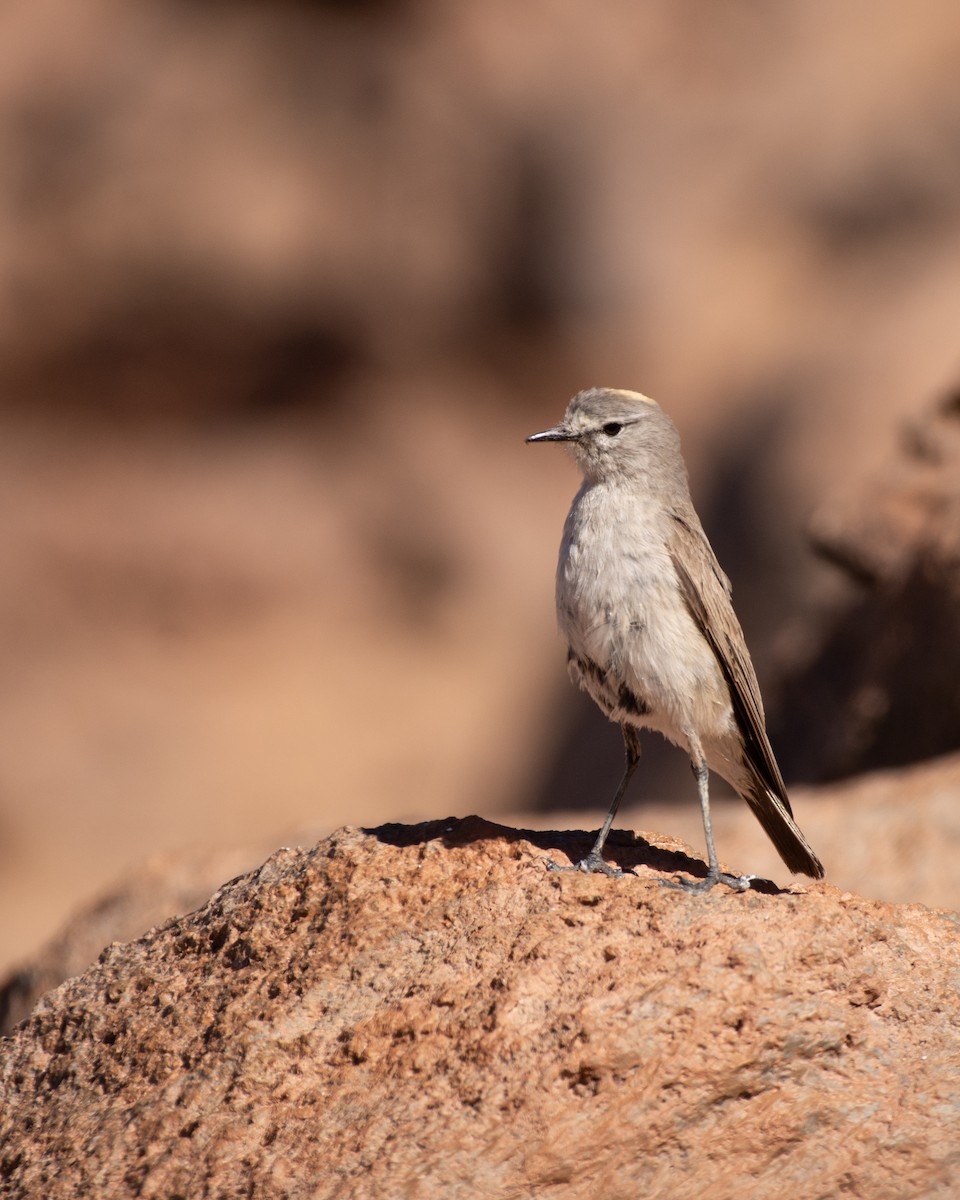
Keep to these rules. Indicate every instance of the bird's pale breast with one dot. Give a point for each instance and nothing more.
(633, 644)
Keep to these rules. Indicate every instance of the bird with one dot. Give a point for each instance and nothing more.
(648, 618)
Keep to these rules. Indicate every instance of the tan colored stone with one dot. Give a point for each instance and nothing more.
(163, 887)
(426, 1011)
(888, 835)
(880, 689)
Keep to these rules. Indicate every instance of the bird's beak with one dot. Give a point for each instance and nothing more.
(559, 433)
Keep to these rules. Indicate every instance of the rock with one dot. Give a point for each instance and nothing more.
(164, 886)
(887, 835)
(880, 689)
(426, 1011)
(908, 512)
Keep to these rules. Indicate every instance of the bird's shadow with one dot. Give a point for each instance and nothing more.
(623, 847)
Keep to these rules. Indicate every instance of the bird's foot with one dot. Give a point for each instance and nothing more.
(697, 887)
(593, 864)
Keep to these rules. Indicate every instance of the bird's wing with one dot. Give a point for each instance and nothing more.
(706, 591)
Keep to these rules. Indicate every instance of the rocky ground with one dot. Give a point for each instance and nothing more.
(426, 1010)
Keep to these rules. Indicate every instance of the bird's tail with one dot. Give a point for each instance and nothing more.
(782, 830)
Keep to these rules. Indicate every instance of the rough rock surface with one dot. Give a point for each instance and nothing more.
(426, 1011)
(162, 887)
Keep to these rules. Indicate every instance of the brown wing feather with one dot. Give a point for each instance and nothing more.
(706, 591)
(708, 598)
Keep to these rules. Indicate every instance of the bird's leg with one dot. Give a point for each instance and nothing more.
(739, 883)
(594, 863)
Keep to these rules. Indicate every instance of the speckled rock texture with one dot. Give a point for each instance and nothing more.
(156, 890)
(427, 1011)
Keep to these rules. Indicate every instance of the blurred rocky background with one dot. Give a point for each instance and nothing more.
(283, 286)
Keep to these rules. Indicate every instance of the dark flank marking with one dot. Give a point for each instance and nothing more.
(631, 703)
(605, 690)
(589, 669)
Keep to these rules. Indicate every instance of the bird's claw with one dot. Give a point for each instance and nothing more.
(593, 864)
(697, 887)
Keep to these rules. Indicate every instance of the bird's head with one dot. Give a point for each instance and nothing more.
(615, 434)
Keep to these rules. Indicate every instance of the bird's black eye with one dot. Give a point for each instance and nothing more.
(612, 428)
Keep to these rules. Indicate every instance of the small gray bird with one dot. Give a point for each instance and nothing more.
(652, 634)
